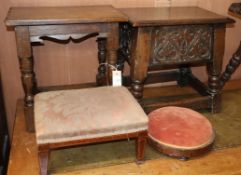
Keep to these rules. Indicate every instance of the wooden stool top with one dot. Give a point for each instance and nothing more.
(172, 16)
(63, 15)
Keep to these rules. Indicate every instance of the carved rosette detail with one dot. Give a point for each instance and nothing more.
(181, 44)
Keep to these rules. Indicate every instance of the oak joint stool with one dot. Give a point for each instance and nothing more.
(162, 44)
(36, 24)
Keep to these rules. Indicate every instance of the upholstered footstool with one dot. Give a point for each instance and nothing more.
(180, 132)
(74, 117)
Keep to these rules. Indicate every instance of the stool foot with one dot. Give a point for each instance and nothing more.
(184, 158)
(139, 162)
(140, 147)
(43, 161)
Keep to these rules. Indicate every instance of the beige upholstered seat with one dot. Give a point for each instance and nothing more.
(68, 115)
(75, 117)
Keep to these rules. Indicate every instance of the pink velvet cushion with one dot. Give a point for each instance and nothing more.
(179, 127)
(86, 113)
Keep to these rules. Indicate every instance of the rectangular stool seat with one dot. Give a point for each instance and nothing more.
(69, 115)
(74, 117)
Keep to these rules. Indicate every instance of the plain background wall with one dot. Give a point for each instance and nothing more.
(57, 64)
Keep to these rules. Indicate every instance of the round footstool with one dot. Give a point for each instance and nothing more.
(180, 132)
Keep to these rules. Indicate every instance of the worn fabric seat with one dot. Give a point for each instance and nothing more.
(86, 113)
(74, 117)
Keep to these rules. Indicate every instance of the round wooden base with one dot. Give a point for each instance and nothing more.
(181, 153)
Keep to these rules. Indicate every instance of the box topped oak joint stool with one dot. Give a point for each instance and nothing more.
(180, 132)
(75, 117)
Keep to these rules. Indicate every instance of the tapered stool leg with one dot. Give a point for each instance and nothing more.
(140, 147)
(43, 161)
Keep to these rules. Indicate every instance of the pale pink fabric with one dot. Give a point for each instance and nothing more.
(179, 127)
(86, 113)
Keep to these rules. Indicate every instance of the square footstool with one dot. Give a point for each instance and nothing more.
(74, 117)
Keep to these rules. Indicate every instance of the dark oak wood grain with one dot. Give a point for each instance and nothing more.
(175, 37)
(62, 15)
(27, 71)
(172, 16)
(139, 61)
(214, 67)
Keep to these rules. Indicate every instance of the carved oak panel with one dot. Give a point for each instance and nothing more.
(181, 44)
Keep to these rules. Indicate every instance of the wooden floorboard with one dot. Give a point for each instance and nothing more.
(23, 158)
(223, 162)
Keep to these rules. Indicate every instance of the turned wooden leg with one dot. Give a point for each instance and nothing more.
(43, 161)
(214, 68)
(213, 83)
(231, 67)
(112, 49)
(140, 53)
(140, 147)
(27, 72)
(101, 76)
(28, 80)
(137, 88)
